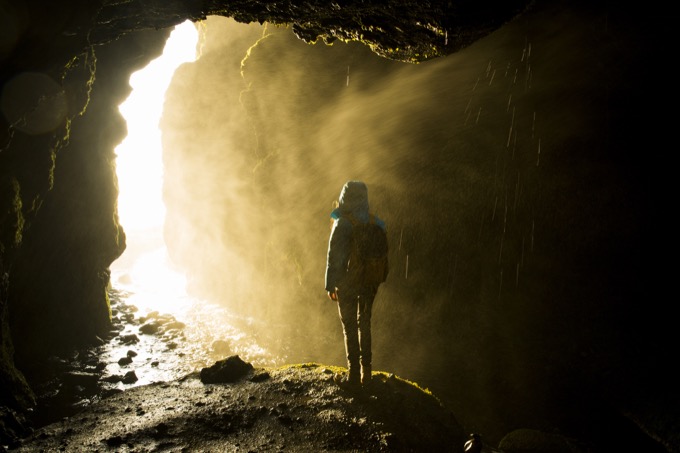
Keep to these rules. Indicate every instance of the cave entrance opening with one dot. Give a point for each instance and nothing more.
(184, 333)
(144, 269)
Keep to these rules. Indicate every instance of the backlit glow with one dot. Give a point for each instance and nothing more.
(139, 157)
(144, 277)
(145, 269)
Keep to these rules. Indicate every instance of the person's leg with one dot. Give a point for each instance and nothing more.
(364, 321)
(347, 307)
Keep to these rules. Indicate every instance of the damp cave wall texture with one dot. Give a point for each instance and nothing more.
(64, 68)
(61, 227)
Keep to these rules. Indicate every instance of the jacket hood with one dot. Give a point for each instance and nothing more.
(353, 200)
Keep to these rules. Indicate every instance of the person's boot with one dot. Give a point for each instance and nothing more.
(350, 381)
(366, 376)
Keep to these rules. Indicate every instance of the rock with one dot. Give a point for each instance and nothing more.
(230, 369)
(114, 441)
(260, 376)
(113, 378)
(150, 328)
(128, 317)
(13, 425)
(130, 378)
(534, 441)
(178, 325)
(129, 339)
(124, 361)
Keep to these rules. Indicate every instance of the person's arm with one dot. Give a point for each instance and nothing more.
(338, 254)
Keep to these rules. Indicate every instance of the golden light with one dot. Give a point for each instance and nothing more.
(145, 273)
(139, 163)
(144, 268)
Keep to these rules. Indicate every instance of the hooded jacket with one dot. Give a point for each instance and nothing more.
(353, 202)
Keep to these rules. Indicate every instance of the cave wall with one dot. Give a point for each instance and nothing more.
(58, 228)
(76, 231)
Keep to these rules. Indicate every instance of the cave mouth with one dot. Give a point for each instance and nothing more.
(145, 269)
(177, 333)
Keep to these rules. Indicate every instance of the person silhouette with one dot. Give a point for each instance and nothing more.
(355, 300)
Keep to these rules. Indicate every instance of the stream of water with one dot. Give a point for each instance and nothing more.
(166, 334)
(163, 333)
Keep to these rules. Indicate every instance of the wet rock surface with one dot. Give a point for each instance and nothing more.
(136, 391)
(67, 383)
(294, 408)
(140, 349)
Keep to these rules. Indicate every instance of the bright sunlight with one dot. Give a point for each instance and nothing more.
(139, 162)
(144, 269)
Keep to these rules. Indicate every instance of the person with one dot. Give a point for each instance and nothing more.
(355, 302)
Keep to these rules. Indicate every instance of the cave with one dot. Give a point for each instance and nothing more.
(527, 277)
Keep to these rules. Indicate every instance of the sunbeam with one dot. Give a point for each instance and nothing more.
(144, 279)
(139, 167)
(139, 156)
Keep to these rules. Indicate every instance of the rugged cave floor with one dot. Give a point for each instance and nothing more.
(84, 406)
(233, 406)
(298, 408)
(294, 408)
(138, 391)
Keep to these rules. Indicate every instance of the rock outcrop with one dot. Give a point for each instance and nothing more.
(294, 408)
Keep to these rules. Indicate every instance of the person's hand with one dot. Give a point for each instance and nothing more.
(333, 295)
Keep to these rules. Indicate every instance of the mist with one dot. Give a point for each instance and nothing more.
(511, 249)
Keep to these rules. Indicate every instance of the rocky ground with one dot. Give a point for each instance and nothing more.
(111, 398)
(294, 408)
(133, 393)
(153, 385)
(234, 407)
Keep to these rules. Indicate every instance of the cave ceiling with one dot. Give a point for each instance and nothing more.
(44, 33)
